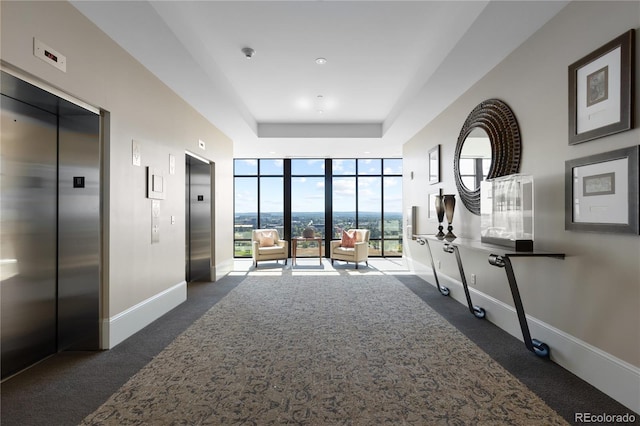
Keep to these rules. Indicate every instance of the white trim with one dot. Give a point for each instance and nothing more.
(222, 269)
(320, 130)
(611, 375)
(196, 156)
(125, 324)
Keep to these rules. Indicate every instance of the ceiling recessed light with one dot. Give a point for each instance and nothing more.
(321, 61)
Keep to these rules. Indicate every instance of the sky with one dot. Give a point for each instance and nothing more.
(307, 192)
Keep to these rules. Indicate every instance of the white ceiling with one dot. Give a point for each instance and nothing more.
(392, 66)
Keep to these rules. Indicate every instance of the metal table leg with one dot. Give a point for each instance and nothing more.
(443, 290)
(475, 310)
(539, 348)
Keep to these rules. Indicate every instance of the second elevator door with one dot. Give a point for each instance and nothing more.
(198, 223)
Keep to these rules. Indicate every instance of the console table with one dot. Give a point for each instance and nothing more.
(294, 247)
(499, 257)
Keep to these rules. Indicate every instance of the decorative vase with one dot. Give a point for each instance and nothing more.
(440, 213)
(309, 232)
(449, 201)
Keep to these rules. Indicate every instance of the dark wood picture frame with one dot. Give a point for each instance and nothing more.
(596, 87)
(613, 183)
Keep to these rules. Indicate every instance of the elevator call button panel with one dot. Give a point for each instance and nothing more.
(78, 181)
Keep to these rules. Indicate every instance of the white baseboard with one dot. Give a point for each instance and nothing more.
(125, 324)
(613, 376)
(222, 269)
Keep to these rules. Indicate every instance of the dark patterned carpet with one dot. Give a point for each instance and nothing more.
(350, 350)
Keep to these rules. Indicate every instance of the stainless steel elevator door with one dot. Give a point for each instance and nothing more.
(28, 156)
(198, 223)
(49, 225)
(78, 227)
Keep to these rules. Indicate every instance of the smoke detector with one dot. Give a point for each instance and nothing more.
(248, 52)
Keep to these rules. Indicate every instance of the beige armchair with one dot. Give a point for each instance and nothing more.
(267, 245)
(358, 253)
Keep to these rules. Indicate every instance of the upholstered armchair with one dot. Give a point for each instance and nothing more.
(353, 247)
(267, 245)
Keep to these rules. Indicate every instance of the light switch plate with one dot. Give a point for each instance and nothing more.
(172, 164)
(136, 153)
(155, 221)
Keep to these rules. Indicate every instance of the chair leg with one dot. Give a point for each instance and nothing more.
(356, 265)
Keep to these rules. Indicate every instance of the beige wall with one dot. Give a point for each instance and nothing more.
(140, 107)
(594, 294)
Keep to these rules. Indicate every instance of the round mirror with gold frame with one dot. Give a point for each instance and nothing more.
(489, 146)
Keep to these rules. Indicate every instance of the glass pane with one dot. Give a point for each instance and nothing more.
(245, 207)
(272, 167)
(242, 249)
(272, 203)
(392, 195)
(374, 248)
(343, 167)
(392, 207)
(307, 167)
(469, 181)
(344, 205)
(392, 225)
(392, 166)
(486, 165)
(369, 166)
(307, 205)
(468, 167)
(370, 205)
(393, 248)
(245, 167)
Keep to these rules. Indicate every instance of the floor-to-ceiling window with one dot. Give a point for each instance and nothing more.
(307, 202)
(245, 205)
(343, 196)
(271, 194)
(330, 195)
(369, 184)
(392, 207)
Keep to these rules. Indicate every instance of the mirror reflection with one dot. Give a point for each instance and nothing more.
(475, 158)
